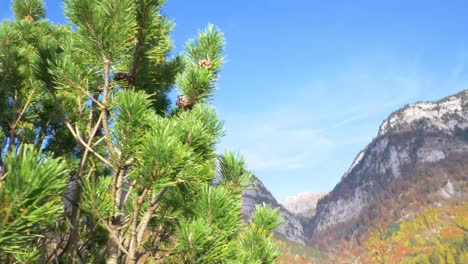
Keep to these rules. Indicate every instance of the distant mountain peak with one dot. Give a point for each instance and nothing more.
(436, 114)
(302, 203)
(424, 138)
(291, 228)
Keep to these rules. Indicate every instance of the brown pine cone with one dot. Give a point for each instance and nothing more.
(29, 18)
(205, 64)
(184, 102)
(121, 76)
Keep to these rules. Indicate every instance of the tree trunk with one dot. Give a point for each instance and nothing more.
(112, 252)
(11, 138)
(43, 258)
(75, 200)
(75, 220)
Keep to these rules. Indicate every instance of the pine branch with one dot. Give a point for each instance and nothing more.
(112, 233)
(129, 191)
(80, 88)
(83, 143)
(148, 215)
(96, 39)
(136, 212)
(28, 101)
(105, 96)
(115, 192)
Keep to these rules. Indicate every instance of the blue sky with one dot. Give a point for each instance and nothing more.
(307, 83)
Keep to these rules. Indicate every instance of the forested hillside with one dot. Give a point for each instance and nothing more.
(404, 199)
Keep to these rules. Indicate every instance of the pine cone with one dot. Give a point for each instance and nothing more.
(29, 18)
(184, 102)
(205, 64)
(121, 76)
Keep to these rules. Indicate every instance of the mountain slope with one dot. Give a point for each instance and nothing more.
(303, 204)
(291, 228)
(418, 151)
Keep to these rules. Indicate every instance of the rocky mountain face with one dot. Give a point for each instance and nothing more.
(419, 157)
(291, 228)
(303, 204)
(420, 150)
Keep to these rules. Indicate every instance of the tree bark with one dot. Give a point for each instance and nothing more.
(148, 214)
(112, 252)
(76, 210)
(11, 137)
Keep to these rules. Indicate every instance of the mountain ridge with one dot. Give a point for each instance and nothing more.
(418, 158)
(423, 132)
(291, 228)
(303, 204)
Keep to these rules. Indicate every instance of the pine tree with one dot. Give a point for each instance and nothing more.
(141, 172)
(29, 201)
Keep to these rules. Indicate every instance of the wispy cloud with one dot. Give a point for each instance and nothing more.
(317, 130)
(304, 128)
(351, 119)
(269, 144)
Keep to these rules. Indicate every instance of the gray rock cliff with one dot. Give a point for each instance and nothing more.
(291, 228)
(424, 132)
(257, 194)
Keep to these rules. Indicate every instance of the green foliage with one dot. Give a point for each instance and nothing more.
(266, 219)
(233, 173)
(27, 49)
(289, 250)
(199, 243)
(256, 240)
(162, 158)
(216, 234)
(131, 119)
(418, 260)
(32, 8)
(200, 129)
(218, 206)
(142, 172)
(105, 28)
(203, 61)
(97, 197)
(211, 236)
(393, 229)
(217, 219)
(29, 199)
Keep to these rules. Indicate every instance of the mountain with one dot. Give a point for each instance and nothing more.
(303, 204)
(291, 228)
(419, 158)
(404, 197)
